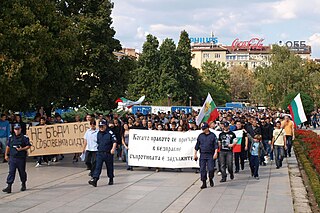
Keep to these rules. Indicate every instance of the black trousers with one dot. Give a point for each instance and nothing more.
(239, 158)
(91, 159)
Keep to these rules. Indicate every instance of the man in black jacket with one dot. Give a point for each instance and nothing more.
(266, 132)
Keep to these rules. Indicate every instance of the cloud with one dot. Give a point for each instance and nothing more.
(284, 9)
(314, 40)
(141, 33)
(270, 19)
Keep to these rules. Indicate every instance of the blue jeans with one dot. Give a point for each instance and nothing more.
(126, 154)
(267, 148)
(254, 165)
(3, 145)
(289, 145)
(278, 153)
(226, 160)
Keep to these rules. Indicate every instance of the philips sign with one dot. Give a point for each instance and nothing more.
(204, 40)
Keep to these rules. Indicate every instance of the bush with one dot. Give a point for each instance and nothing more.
(308, 153)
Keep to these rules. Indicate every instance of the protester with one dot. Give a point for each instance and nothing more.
(240, 156)
(256, 151)
(47, 158)
(266, 133)
(18, 119)
(288, 127)
(125, 143)
(279, 144)
(227, 140)
(4, 134)
(90, 147)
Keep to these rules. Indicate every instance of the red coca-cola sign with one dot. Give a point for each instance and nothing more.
(252, 44)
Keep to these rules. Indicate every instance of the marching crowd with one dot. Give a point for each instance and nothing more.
(267, 136)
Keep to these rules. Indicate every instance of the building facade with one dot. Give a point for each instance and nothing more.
(207, 52)
(250, 54)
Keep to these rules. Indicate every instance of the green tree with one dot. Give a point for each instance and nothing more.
(146, 77)
(215, 79)
(37, 46)
(241, 83)
(287, 74)
(187, 75)
(168, 82)
(97, 67)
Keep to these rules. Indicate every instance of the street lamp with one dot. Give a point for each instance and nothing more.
(190, 101)
(169, 99)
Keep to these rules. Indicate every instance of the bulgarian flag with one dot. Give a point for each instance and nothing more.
(208, 112)
(123, 102)
(297, 111)
(239, 135)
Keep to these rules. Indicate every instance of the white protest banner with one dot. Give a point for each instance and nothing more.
(57, 139)
(163, 149)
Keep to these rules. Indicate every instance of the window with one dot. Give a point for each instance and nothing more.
(206, 55)
(217, 55)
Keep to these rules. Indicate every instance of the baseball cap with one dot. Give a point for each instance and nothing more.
(205, 126)
(102, 122)
(16, 126)
(226, 124)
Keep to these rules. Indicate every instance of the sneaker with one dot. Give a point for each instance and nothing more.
(49, 163)
(54, 159)
(257, 178)
(277, 167)
(38, 165)
(237, 171)
(219, 173)
(93, 182)
(120, 159)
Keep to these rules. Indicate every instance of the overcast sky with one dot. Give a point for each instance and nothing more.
(273, 20)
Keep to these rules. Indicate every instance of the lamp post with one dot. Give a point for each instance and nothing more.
(190, 101)
(169, 99)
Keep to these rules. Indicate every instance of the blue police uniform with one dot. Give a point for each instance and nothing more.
(105, 141)
(207, 144)
(17, 159)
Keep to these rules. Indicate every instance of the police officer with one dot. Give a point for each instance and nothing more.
(16, 154)
(107, 144)
(208, 146)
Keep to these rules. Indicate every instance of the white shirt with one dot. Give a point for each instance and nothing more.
(91, 137)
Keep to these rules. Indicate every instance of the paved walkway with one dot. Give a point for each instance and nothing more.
(63, 188)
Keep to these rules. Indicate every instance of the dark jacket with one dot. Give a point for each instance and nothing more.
(266, 132)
